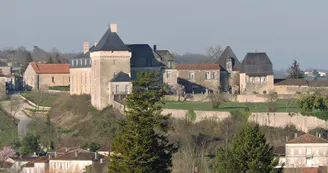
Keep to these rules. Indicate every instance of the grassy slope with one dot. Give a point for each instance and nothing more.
(9, 131)
(230, 106)
(48, 101)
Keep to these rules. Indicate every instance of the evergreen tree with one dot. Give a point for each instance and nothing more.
(142, 146)
(249, 153)
(57, 59)
(50, 60)
(294, 71)
(30, 144)
(27, 61)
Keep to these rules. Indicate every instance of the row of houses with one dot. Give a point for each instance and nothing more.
(61, 160)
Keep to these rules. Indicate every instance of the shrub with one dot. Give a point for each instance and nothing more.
(320, 115)
(217, 99)
(191, 115)
(239, 114)
(298, 92)
(264, 92)
(254, 92)
(309, 102)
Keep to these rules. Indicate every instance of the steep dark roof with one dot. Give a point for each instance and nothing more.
(198, 67)
(307, 138)
(256, 64)
(143, 56)
(166, 55)
(293, 82)
(228, 53)
(121, 77)
(110, 41)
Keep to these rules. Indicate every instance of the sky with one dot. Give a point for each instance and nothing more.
(284, 29)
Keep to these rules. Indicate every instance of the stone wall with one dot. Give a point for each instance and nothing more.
(277, 119)
(293, 89)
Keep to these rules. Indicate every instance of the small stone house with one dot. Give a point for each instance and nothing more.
(197, 78)
(43, 76)
(38, 165)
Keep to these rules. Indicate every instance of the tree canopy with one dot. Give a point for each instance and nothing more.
(30, 144)
(142, 144)
(294, 71)
(249, 153)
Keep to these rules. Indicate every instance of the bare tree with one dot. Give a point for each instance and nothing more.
(179, 90)
(213, 54)
(272, 98)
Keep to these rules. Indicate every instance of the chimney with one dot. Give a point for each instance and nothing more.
(155, 47)
(101, 160)
(113, 27)
(295, 135)
(85, 47)
(96, 44)
(96, 155)
(76, 153)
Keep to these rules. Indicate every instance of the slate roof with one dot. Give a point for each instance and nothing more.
(197, 66)
(80, 156)
(50, 68)
(303, 82)
(256, 64)
(110, 41)
(166, 55)
(293, 82)
(121, 77)
(226, 54)
(307, 138)
(143, 56)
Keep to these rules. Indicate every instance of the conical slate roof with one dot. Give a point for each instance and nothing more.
(228, 53)
(110, 41)
(256, 64)
(121, 77)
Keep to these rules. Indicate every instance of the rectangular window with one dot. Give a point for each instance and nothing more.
(67, 165)
(169, 64)
(299, 151)
(53, 79)
(126, 89)
(54, 165)
(207, 75)
(60, 166)
(117, 89)
(81, 62)
(214, 75)
(191, 75)
(168, 74)
(73, 63)
(85, 61)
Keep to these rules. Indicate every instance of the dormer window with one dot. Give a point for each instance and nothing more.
(229, 64)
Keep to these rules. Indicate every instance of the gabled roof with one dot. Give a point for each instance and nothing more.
(165, 54)
(228, 53)
(50, 68)
(78, 156)
(110, 41)
(256, 64)
(198, 66)
(307, 138)
(121, 77)
(43, 159)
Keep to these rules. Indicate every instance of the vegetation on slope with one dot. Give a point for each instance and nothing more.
(8, 131)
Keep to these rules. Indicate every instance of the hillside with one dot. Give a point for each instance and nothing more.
(8, 131)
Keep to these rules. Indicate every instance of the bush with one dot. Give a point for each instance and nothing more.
(309, 102)
(264, 92)
(239, 114)
(320, 115)
(254, 92)
(217, 99)
(191, 115)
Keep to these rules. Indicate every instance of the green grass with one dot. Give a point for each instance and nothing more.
(59, 88)
(45, 99)
(230, 106)
(8, 130)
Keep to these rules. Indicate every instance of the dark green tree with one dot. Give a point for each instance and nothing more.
(294, 71)
(50, 60)
(142, 146)
(30, 144)
(248, 153)
(57, 59)
(27, 61)
(91, 146)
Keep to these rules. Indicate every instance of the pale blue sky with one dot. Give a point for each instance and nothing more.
(285, 29)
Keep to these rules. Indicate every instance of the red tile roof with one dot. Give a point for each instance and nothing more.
(50, 68)
(198, 66)
(43, 159)
(280, 150)
(307, 138)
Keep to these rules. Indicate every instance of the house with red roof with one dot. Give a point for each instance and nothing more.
(42, 76)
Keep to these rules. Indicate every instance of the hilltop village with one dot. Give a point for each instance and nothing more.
(76, 103)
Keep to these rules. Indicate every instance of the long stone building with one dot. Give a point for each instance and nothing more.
(107, 68)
